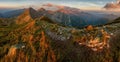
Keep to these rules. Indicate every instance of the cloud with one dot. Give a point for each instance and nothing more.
(48, 5)
(115, 5)
(82, 4)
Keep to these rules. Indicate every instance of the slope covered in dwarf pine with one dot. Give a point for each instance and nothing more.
(41, 40)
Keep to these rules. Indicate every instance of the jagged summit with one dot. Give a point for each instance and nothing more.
(31, 12)
(112, 5)
(27, 15)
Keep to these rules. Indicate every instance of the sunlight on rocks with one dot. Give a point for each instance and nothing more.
(97, 43)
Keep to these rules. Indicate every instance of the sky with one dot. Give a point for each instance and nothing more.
(81, 4)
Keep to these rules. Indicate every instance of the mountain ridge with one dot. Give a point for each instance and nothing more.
(26, 16)
(66, 16)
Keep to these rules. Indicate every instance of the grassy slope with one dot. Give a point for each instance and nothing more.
(29, 42)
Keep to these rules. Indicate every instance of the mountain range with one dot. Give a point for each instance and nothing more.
(63, 15)
(1, 15)
(12, 13)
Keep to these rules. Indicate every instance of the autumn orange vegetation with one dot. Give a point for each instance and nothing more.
(37, 46)
(91, 40)
(90, 27)
(22, 55)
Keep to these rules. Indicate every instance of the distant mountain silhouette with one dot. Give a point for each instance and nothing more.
(42, 12)
(13, 13)
(1, 15)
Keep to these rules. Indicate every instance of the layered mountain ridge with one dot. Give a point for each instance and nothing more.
(64, 15)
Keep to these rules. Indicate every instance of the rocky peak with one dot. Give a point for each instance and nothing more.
(31, 12)
(27, 15)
